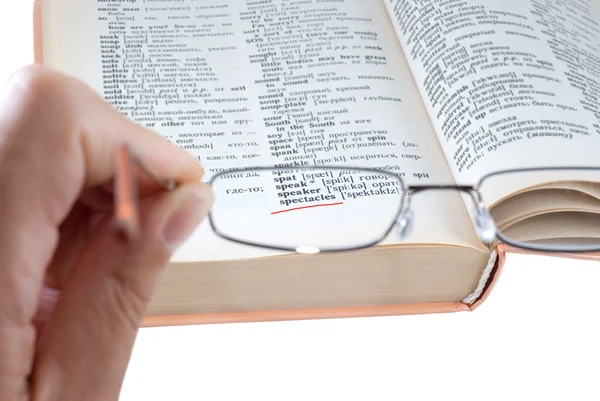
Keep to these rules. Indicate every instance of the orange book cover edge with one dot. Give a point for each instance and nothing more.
(38, 48)
(318, 313)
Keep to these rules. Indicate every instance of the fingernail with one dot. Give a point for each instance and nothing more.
(186, 217)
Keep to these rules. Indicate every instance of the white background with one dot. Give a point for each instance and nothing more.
(536, 338)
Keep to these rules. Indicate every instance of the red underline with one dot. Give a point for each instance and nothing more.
(308, 207)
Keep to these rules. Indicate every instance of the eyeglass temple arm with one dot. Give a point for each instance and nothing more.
(126, 192)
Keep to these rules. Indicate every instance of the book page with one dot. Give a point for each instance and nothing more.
(269, 83)
(508, 84)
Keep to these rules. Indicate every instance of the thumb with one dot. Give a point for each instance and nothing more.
(86, 345)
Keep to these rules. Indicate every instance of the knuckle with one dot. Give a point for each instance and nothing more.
(131, 297)
(132, 286)
(34, 83)
(35, 106)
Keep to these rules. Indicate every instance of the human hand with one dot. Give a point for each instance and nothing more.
(72, 295)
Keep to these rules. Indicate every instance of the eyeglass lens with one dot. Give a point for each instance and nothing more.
(346, 208)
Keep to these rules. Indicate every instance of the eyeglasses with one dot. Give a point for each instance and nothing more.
(336, 208)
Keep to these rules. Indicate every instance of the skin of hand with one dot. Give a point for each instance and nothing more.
(72, 294)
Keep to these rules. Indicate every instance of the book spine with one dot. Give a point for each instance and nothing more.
(489, 278)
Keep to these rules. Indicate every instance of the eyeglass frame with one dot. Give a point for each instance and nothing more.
(482, 212)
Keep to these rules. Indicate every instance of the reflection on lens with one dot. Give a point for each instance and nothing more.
(307, 210)
(556, 209)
